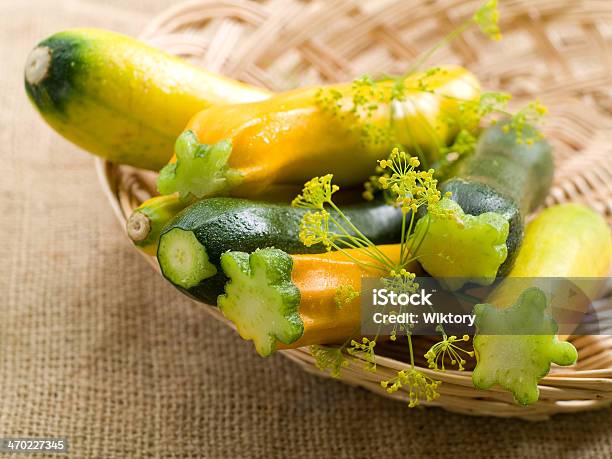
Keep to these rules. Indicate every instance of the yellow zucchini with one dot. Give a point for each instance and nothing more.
(244, 150)
(119, 98)
(283, 301)
(516, 340)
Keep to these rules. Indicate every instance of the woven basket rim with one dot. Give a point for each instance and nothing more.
(564, 390)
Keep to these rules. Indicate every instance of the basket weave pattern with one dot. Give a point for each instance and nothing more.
(555, 50)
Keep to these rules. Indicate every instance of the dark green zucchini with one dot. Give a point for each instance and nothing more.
(505, 179)
(192, 243)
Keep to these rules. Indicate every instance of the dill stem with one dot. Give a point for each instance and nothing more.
(359, 242)
(446, 40)
(411, 350)
(381, 266)
(403, 239)
(348, 243)
(379, 255)
(409, 249)
(367, 249)
(358, 262)
(416, 250)
(351, 226)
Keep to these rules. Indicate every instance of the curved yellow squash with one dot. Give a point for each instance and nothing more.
(293, 136)
(119, 98)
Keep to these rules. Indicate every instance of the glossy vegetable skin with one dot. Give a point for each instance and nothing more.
(506, 177)
(215, 225)
(494, 189)
(119, 98)
(283, 301)
(291, 137)
(568, 241)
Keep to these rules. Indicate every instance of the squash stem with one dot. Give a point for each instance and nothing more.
(138, 227)
(37, 65)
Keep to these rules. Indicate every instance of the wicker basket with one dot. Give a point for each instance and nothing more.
(556, 50)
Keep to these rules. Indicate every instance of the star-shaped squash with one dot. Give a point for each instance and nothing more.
(260, 298)
(516, 346)
(200, 170)
(458, 248)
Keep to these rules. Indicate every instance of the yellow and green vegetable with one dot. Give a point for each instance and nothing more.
(246, 149)
(290, 276)
(119, 98)
(280, 301)
(145, 224)
(508, 176)
(568, 241)
(288, 301)
(192, 243)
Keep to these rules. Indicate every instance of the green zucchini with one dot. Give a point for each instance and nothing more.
(478, 238)
(191, 245)
(147, 221)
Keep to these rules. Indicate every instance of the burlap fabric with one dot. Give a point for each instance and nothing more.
(94, 346)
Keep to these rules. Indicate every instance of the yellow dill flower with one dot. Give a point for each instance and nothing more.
(314, 229)
(487, 18)
(419, 386)
(317, 192)
(365, 351)
(344, 295)
(329, 359)
(406, 186)
(329, 100)
(357, 108)
(401, 281)
(423, 83)
(463, 145)
(472, 115)
(524, 119)
(447, 349)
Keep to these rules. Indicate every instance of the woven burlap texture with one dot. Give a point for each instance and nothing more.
(94, 346)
